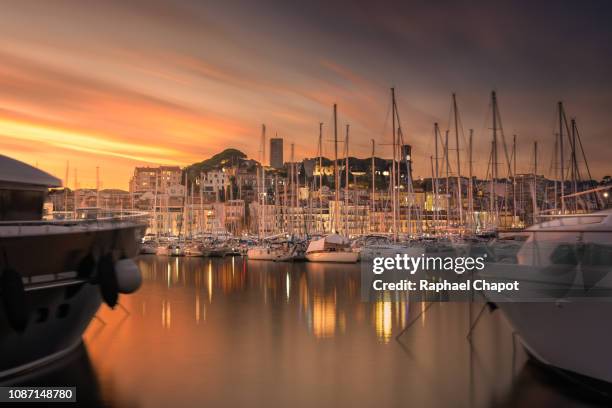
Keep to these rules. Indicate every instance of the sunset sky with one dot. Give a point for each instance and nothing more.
(119, 85)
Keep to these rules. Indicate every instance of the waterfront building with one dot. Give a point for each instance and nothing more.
(146, 178)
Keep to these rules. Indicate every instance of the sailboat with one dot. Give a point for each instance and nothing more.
(263, 251)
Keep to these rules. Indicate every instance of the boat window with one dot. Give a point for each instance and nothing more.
(42, 314)
(21, 205)
(62, 310)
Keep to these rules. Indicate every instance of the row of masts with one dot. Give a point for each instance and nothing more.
(455, 215)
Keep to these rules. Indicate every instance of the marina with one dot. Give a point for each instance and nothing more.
(314, 204)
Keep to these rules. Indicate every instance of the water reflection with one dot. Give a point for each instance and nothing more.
(229, 332)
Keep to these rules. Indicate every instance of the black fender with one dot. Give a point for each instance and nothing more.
(107, 279)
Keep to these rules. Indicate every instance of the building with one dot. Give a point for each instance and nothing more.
(214, 184)
(276, 152)
(152, 179)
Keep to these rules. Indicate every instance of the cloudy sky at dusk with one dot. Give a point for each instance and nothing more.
(116, 85)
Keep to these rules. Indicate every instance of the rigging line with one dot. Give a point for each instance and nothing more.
(484, 124)
(501, 130)
(586, 163)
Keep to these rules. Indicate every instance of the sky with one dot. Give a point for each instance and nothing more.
(118, 84)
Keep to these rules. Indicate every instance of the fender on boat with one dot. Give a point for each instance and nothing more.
(107, 279)
(128, 276)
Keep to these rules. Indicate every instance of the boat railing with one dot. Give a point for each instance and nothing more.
(68, 219)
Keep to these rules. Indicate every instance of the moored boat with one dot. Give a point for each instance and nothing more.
(573, 253)
(48, 300)
(331, 248)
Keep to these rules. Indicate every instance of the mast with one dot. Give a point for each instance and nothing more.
(336, 175)
(471, 182)
(561, 158)
(459, 195)
(373, 182)
(200, 224)
(184, 213)
(321, 177)
(276, 215)
(555, 169)
(535, 181)
(574, 166)
(262, 193)
(293, 190)
(346, 182)
(433, 207)
(494, 163)
(447, 180)
(436, 189)
(393, 184)
(513, 177)
(155, 206)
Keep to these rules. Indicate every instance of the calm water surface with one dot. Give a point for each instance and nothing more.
(232, 332)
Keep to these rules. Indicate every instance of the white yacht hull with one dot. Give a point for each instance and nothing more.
(333, 256)
(262, 254)
(564, 331)
(564, 335)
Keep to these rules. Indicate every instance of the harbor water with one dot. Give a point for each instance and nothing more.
(232, 332)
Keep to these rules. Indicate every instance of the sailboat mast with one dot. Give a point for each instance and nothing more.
(155, 206)
(535, 181)
(574, 166)
(459, 195)
(447, 179)
(436, 190)
(336, 175)
(263, 181)
(293, 190)
(561, 158)
(393, 184)
(373, 182)
(321, 176)
(471, 182)
(346, 182)
(494, 164)
(514, 177)
(433, 207)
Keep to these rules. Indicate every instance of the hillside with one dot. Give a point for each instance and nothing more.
(226, 158)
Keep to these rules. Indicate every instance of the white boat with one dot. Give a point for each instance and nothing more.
(264, 253)
(331, 248)
(568, 333)
(55, 273)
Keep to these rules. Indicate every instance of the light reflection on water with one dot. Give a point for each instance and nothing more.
(229, 332)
